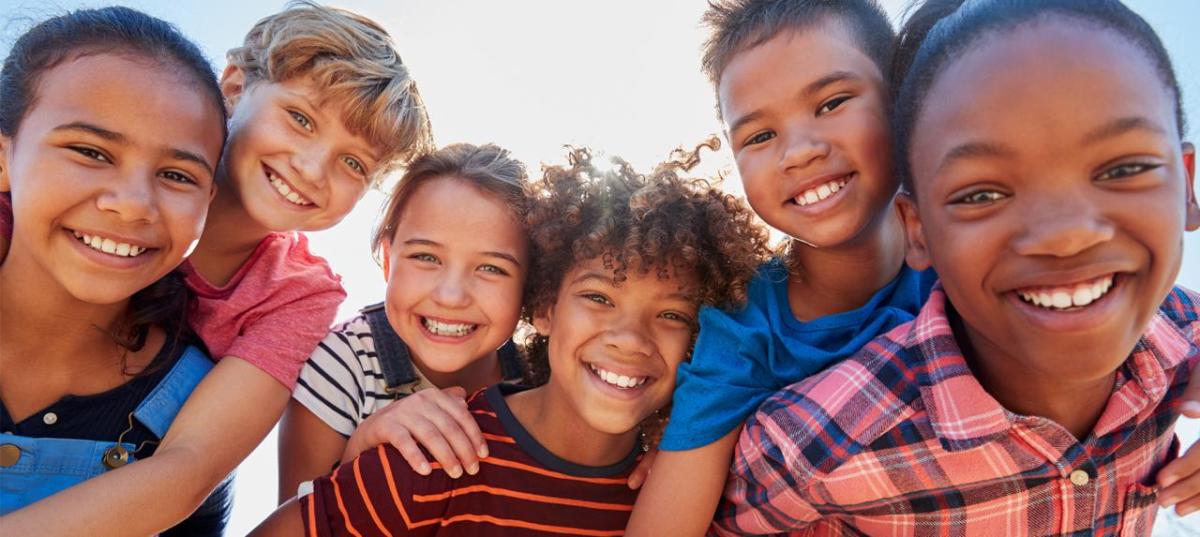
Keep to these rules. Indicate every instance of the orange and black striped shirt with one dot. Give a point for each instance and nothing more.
(520, 489)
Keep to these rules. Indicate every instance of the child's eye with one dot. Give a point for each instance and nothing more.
(91, 153)
(760, 138)
(493, 269)
(1126, 170)
(597, 298)
(676, 316)
(427, 258)
(832, 104)
(301, 120)
(355, 165)
(178, 177)
(979, 197)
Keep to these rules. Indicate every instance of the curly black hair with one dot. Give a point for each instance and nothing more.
(663, 221)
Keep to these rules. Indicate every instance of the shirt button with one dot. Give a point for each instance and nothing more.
(50, 418)
(1079, 478)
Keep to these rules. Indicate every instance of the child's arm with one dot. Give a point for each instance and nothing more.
(284, 522)
(682, 490)
(308, 448)
(228, 414)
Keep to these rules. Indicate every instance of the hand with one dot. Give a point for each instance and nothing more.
(642, 470)
(438, 420)
(1179, 480)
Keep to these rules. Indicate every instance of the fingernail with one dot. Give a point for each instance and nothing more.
(1192, 407)
(1185, 511)
(423, 468)
(455, 472)
(1168, 500)
(473, 468)
(482, 451)
(1167, 480)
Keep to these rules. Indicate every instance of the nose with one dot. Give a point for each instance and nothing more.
(629, 336)
(131, 198)
(802, 147)
(309, 163)
(453, 290)
(1062, 226)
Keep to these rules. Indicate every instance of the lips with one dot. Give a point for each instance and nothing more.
(1066, 297)
(111, 246)
(448, 328)
(285, 189)
(623, 382)
(821, 189)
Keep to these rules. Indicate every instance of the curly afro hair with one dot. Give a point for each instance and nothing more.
(663, 221)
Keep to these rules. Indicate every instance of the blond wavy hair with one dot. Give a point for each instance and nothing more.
(355, 63)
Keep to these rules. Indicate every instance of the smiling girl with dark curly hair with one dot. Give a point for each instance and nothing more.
(623, 262)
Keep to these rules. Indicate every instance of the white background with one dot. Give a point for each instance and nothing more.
(620, 75)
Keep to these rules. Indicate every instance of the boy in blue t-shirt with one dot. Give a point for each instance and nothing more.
(802, 90)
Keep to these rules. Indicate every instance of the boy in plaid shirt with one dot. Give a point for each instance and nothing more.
(1037, 390)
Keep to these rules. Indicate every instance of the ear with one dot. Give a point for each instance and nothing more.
(5, 147)
(233, 85)
(387, 260)
(917, 254)
(1189, 165)
(542, 321)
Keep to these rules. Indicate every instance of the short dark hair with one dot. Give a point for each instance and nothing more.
(940, 31)
(738, 25)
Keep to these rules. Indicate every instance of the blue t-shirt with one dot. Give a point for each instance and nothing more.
(744, 356)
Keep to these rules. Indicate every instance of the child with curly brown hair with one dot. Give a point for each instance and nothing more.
(623, 263)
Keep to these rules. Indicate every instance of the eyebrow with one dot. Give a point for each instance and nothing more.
(1121, 126)
(592, 275)
(809, 90)
(972, 150)
(119, 138)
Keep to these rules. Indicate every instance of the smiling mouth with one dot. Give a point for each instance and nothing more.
(439, 328)
(822, 191)
(285, 190)
(1068, 297)
(620, 381)
(109, 246)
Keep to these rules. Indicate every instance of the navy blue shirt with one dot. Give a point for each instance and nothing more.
(742, 357)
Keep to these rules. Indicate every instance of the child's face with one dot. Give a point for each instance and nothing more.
(111, 174)
(614, 347)
(1052, 195)
(455, 269)
(805, 113)
(290, 159)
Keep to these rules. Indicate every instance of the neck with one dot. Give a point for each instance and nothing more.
(842, 278)
(477, 375)
(230, 236)
(1075, 404)
(552, 420)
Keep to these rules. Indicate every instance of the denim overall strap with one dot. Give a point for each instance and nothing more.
(159, 409)
(393, 354)
(46, 466)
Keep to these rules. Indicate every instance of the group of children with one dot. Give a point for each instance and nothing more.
(972, 328)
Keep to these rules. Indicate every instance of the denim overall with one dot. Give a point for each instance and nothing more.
(398, 368)
(34, 468)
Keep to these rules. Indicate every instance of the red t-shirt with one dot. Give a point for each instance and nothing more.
(275, 309)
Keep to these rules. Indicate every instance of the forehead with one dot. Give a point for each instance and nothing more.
(787, 62)
(448, 204)
(652, 283)
(1055, 78)
(151, 103)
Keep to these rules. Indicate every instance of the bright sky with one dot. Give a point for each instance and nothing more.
(620, 75)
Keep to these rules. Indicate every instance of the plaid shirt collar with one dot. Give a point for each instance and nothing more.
(964, 415)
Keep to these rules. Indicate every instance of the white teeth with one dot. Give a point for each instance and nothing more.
(819, 193)
(287, 192)
(448, 329)
(1075, 296)
(620, 381)
(109, 246)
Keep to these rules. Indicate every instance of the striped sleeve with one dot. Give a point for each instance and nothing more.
(332, 384)
(376, 495)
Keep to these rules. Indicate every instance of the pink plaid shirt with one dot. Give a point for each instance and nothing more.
(901, 439)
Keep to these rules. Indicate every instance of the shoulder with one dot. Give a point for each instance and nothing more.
(1182, 307)
(830, 418)
(286, 258)
(761, 301)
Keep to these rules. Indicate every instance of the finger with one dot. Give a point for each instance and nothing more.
(456, 391)
(1180, 490)
(465, 449)
(1190, 401)
(1188, 506)
(469, 427)
(430, 436)
(1186, 465)
(637, 478)
(404, 443)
